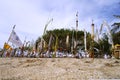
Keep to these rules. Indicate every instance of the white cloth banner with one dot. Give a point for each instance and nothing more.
(67, 39)
(15, 39)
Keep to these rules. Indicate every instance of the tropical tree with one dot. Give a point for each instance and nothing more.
(116, 25)
(116, 31)
(104, 45)
(116, 38)
(61, 35)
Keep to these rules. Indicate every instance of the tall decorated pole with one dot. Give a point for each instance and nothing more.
(92, 42)
(85, 40)
(72, 47)
(76, 27)
(92, 34)
(41, 46)
(76, 22)
(67, 41)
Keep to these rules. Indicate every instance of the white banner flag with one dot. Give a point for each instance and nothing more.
(67, 40)
(96, 38)
(15, 39)
(85, 43)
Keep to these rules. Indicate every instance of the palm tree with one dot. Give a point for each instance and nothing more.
(116, 31)
(116, 25)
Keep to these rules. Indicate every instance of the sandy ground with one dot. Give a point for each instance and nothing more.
(58, 69)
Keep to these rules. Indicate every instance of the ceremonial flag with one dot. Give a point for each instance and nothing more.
(101, 28)
(15, 39)
(56, 44)
(50, 41)
(110, 38)
(67, 40)
(96, 36)
(47, 25)
(85, 43)
(75, 44)
(41, 44)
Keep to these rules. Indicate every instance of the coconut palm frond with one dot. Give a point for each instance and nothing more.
(116, 27)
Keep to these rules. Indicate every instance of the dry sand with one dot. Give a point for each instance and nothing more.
(58, 69)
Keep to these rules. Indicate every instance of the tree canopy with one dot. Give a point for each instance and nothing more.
(62, 35)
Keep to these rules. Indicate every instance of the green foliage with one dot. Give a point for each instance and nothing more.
(62, 34)
(116, 38)
(116, 25)
(116, 31)
(104, 45)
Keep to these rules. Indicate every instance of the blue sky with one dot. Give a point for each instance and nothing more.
(30, 16)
